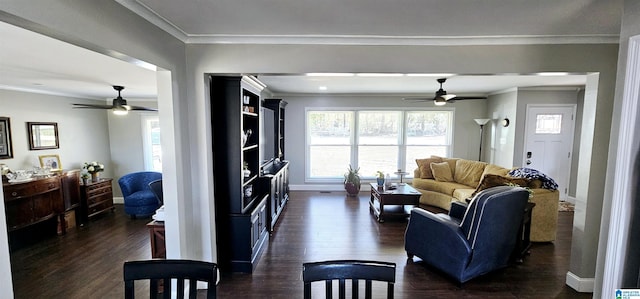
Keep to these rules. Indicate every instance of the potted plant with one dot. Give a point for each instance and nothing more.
(380, 178)
(352, 181)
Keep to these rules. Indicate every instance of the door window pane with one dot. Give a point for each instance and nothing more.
(548, 123)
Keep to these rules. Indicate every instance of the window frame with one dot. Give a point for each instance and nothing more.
(354, 138)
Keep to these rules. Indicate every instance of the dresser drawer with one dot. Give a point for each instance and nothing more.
(105, 189)
(99, 208)
(26, 190)
(99, 198)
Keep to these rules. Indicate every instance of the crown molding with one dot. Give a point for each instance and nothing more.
(372, 40)
(148, 14)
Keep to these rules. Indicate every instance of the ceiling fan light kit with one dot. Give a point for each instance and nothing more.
(118, 107)
(442, 98)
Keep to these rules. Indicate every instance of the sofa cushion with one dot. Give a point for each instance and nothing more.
(440, 187)
(495, 169)
(461, 194)
(425, 167)
(468, 172)
(492, 180)
(451, 161)
(441, 172)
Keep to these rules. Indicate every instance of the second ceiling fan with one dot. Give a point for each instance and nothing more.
(441, 97)
(119, 105)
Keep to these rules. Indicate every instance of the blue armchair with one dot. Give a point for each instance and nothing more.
(139, 199)
(480, 242)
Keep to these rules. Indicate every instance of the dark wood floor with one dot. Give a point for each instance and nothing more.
(87, 261)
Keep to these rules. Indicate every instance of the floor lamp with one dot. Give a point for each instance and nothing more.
(481, 122)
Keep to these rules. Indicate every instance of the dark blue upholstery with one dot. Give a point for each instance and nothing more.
(139, 200)
(156, 188)
(479, 243)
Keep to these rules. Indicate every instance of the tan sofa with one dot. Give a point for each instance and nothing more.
(466, 176)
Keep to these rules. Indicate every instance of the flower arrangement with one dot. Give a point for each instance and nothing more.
(93, 167)
(380, 174)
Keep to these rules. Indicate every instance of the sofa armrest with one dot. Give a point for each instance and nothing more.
(458, 209)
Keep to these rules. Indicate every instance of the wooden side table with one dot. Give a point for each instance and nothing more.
(523, 242)
(156, 236)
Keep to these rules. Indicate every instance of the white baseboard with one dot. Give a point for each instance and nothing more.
(119, 200)
(582, 285)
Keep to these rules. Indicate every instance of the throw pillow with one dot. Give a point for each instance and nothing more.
(493, 180)
(425, 167)
(468, 172)
(441, 172)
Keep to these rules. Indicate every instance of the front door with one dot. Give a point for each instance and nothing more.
(549, 141)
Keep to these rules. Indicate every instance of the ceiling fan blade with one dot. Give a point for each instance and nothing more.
(470, 98)
(92, 106)
(139, 108)
(418, 99)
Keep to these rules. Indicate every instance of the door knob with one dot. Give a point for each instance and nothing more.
(528, 162)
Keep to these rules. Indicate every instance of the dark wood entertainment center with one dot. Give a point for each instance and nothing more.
(251, 187)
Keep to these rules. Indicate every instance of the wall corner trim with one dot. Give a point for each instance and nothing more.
(582, 285)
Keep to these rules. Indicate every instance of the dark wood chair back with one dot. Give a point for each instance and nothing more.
(353, 270)
(167, 270)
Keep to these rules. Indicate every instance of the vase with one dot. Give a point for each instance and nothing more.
(95, 176)
(380, 182)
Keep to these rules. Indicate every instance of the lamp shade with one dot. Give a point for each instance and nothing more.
(482, 121)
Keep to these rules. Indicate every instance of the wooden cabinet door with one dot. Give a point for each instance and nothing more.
(19, 213)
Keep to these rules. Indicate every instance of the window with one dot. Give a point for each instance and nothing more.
(548, 123)
(373, 140)
(151, 143)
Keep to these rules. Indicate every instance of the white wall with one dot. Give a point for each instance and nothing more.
(126, 138)
(501, 139)
(83, 133)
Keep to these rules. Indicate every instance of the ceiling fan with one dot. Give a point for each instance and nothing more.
(441, 98)
(119, 105)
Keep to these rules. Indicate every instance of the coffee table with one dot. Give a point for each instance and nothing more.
(391, 202)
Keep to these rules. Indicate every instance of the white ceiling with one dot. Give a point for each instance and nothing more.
(64, 69)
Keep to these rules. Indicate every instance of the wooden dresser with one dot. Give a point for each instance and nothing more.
(96, 198)
(32, 202)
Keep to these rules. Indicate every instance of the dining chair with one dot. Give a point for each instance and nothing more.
(344, 270)
(164, 271)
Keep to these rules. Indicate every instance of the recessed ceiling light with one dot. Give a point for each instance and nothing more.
(552, 74)
(330, 74)
(430, 75)
(379, 75)
(322, 88)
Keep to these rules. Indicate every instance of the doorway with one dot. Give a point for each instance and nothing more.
(548, 143)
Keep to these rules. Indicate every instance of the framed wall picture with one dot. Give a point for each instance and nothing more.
(6, 149)
(50, 161)
(43, 135)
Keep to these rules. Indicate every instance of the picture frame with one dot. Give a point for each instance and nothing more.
(50, 161)
(43, 135)
(6, 147)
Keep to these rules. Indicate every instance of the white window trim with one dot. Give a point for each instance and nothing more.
(354, 151)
